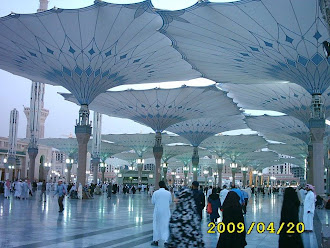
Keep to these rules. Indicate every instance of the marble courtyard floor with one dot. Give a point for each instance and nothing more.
(123, 221)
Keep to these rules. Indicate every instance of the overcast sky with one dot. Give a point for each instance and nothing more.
(15, 90)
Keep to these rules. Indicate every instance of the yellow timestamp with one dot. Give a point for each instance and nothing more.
(289, 228)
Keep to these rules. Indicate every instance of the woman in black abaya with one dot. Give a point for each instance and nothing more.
(232, 212)
(290, 213)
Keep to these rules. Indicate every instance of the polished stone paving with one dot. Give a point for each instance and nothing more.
(123, 221)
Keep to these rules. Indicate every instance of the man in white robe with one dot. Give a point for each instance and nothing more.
(223, 194)
(302, 193)
(309, 207)
(18, 189)
(7, 189)
(161, 199)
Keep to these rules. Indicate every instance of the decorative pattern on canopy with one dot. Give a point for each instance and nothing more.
(161, 108)
(286, 139)
(225, 144)
(67, 145)
(185, 158)
(140, 143)
(197, 130)
(131, 156)
(288, 98)
(109, 149)
(250, 158)
(279, 124)
(92, 49)
(170, 151)
(261, 41)
(290, 150)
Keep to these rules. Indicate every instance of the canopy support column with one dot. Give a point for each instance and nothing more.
(83, 132)
(158, 153)
(195, 162)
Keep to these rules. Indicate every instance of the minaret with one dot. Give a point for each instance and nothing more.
(97, 127)
(12, 141)
(36, 115)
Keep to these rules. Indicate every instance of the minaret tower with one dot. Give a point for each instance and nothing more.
(12, 141)
(36, 114)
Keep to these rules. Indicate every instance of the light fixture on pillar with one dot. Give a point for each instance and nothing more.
(215, 174)
(140, 162)
(173, 177)
(255, 172)
(233, 165)
(151, 176)
(260, 174)
(220, 160)
(164, 166)
(5, 160)
(206, 174)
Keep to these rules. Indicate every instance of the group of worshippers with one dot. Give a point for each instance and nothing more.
(22, 189)
(183, 227)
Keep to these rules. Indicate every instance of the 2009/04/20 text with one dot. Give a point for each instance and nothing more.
(260, 227)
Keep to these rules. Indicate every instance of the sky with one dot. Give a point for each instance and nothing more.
(15, 90)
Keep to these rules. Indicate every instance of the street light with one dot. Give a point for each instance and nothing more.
(5, 160)
(140, 161)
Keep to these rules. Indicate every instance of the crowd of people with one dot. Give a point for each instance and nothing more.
(182, 227)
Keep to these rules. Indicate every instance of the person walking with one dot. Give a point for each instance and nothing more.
(214, 200)
(61, 192)
(199, 198)
(185, 226)
(290, 213)
(232, 213)
(7, 189)
(161, 199)
(43, 190)
(223, 194)
(309, 208)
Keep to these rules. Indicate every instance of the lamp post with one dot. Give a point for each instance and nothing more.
(220, 162)
(103, 166)
(185, 172)
(69, 163)
(244, 171)
(233, 167)
(140, 163)
(165, 166)
(206, 174)
(173, 177)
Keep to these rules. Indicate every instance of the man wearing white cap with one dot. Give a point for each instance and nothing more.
(61, 192)
(309, 207)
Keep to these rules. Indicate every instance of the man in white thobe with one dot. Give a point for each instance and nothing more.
(302, 193)
(161, 199)
(223, 194)
(309, 207)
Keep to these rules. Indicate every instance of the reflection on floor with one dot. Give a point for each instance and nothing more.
(123, 221)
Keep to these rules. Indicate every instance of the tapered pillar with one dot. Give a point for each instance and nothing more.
(317, 129)
(69, 167)
(95, 164)
(195, 162)
(318, 159)
(83, 132)
(233, 173)
(220, 166)
(244, 178)
(140, 168)
(165, 173)
(158, 153)
(33, 152)
(309, 172)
